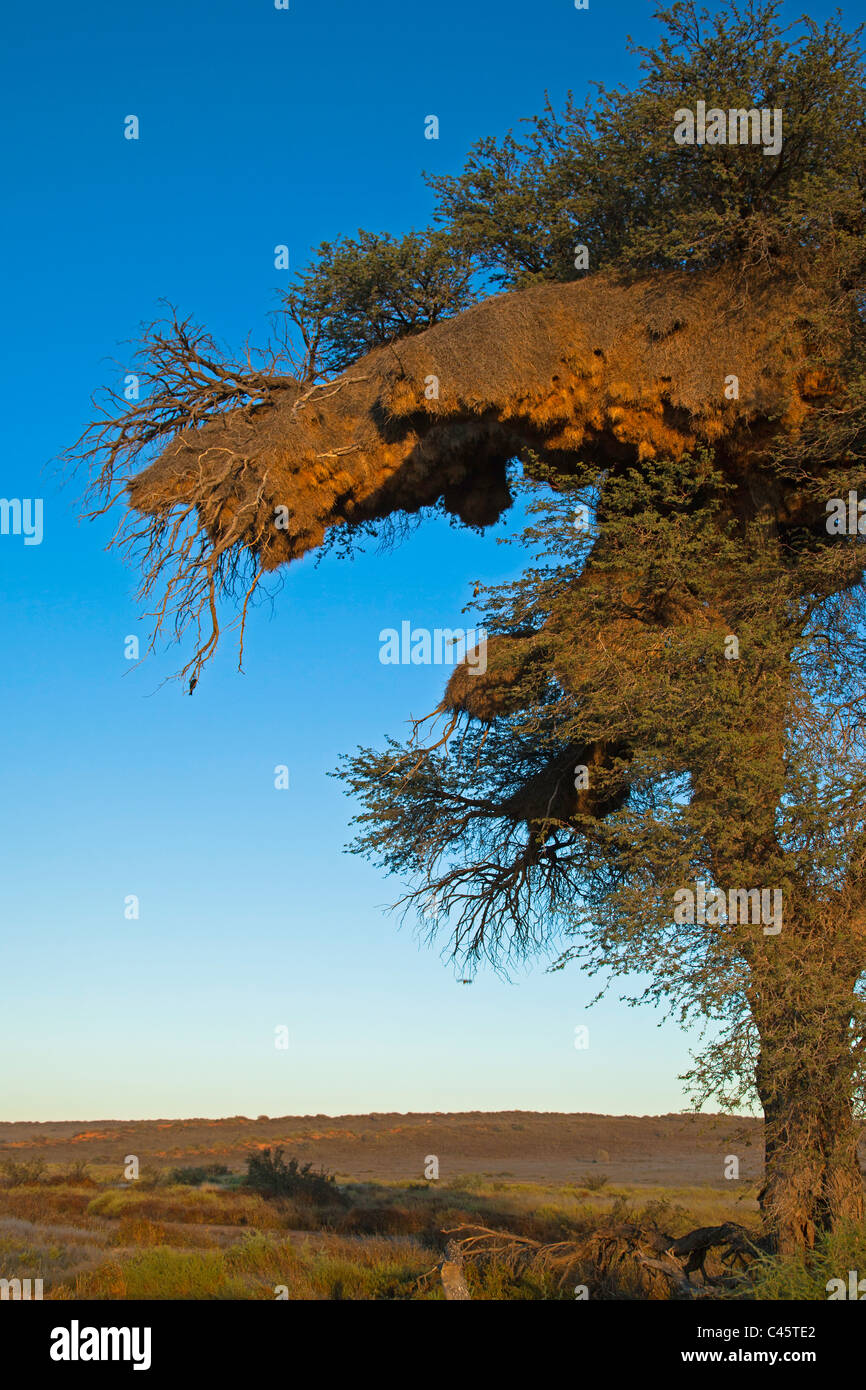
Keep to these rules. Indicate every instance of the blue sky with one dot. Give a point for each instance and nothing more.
(258, 127)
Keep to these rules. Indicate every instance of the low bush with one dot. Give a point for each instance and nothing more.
(194, 1177)
(594, 1181)
(23, 1174)
(271, 1176)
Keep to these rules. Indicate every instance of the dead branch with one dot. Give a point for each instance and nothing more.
(610, 1248)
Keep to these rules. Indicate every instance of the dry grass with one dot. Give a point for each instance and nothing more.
(174, 1242)
(87, 1235)
(258, 1267)
(191, 1205)
(182, 1243)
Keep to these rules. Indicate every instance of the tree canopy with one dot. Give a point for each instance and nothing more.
(360, 293)
(606, 172)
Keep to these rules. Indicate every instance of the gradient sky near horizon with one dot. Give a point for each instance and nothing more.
(258, 127)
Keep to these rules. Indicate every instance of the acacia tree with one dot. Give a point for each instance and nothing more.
(618, 750)
(667, 708)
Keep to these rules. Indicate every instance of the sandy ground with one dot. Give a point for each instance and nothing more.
(669, 1150)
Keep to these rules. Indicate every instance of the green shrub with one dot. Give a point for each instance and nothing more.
(22, 1174)
(271, 1176)
(194, 1177)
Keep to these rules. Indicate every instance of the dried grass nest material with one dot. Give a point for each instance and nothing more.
(591, 368)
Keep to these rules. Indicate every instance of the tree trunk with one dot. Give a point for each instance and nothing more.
(804, 1078)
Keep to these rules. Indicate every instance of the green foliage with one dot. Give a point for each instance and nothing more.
(194, 1177)
(361, 293)
(607, 172)
(271, 1176)
(22, 1174)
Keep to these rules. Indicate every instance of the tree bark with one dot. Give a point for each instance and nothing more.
(804, 1078)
